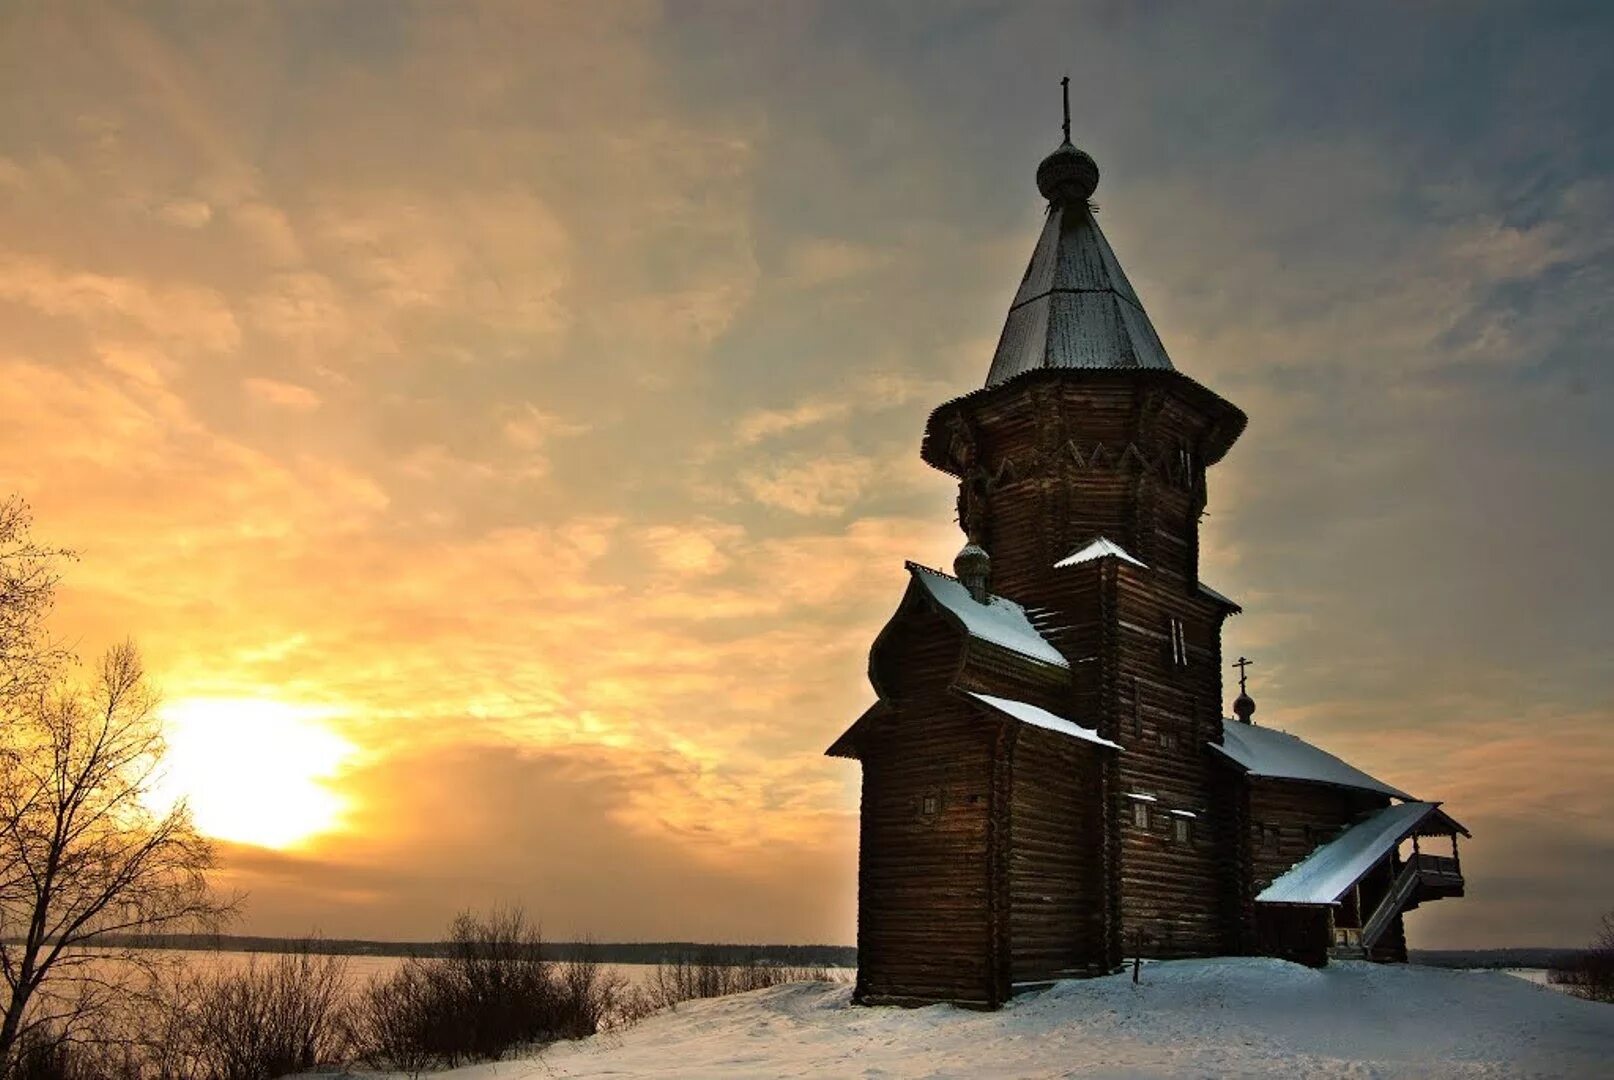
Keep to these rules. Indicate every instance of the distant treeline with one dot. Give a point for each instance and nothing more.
(1492, 958)
(629, 952)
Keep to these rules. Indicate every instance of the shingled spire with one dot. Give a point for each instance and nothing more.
(1075, 307)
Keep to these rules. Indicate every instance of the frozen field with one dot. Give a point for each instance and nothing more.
(1189, 1018)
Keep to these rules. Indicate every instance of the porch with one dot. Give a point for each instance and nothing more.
(1365, 881)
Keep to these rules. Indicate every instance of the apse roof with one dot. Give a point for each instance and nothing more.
(1328, 873)
(1263, 751)
(1027, 713)
(1002, 622)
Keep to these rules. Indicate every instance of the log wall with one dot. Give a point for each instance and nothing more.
(925, 893)
(1056, 857)
(1305, 816)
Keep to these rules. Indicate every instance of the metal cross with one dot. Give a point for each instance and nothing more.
(1064, 86)
(1241, 663)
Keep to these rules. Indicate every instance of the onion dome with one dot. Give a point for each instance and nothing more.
(973, 568)
(1067, 175)
(1244, 707)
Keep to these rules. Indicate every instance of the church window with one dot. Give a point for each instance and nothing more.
(1140, 814)
(1179, 644)
(1185, 465)
(1182, 829)
(927, 805)
(1168, 739)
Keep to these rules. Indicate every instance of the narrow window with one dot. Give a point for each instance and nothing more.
(1179, 644)
(1140, 814)
(1182, 829)
(1185, 465)
(927, 805)
(1137, 710)
(1168, 739)
(1269, 836)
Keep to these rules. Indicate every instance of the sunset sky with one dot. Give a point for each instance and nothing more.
(498, 424)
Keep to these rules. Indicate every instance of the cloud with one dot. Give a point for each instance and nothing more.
(283, 394)
(539, 392)
(178, 314)
(811, 486)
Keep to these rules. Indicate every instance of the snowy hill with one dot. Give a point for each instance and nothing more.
(1227, 1017)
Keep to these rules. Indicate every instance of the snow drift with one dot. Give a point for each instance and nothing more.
(1207, 1018)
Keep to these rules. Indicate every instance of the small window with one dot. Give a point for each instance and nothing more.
(1269, 836)
(1185, 465)
(927, 805)
(1168, 739)
(1140, 814)
(1182, 829)
(1179, 644)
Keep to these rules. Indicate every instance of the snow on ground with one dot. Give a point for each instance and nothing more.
(1245, 1017)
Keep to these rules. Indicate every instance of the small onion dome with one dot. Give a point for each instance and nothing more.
(1067, 175)
(1244, 707)
(973, 566)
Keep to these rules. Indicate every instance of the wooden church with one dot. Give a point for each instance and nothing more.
(1049, 783)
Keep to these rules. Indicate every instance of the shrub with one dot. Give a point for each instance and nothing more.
(491, 993)
(271, 1019)
(1590, 973)
(691, 976)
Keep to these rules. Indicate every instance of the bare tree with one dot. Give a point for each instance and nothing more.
(1589, 973)
(28, 575)
(85, 857)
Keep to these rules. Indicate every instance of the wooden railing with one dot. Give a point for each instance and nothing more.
(1436, 864)
(1400, 892)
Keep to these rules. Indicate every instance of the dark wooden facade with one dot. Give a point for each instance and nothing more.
(1081, 813)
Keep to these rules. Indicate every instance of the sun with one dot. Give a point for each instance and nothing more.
(255, 771)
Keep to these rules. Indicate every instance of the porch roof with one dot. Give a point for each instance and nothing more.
(1328, 873)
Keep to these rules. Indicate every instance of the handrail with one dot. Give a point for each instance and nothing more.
(1400, 892)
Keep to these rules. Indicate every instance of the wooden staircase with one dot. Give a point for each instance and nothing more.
(1423, 877)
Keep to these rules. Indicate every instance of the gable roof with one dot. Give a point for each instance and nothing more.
(1075, 307)
(1328, 873)
(1098, 549)
(1027, 713)
(1002, 622)
(1263, 751)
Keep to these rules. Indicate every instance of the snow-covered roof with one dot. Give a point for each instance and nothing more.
(1098, 549)
(1002, 622)
(1328, 873)
(1262, 751)
(1141, 797)
(1027, 713)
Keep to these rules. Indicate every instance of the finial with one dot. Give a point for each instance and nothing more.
(1244, 704)
(973, 568)
(1067, 175)
(1064, 88)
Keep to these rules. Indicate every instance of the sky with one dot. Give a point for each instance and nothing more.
(498, 424)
